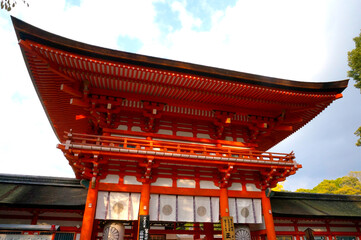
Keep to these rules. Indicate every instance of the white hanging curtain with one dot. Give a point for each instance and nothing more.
(101, 211)
(203, 209)
(167, 208)
(117, 206)
(153, 207)
(185, 209)
(171, 208)
(245, 210)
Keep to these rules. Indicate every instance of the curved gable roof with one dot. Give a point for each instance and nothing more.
(54, 61)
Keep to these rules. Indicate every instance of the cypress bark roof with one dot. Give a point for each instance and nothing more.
(67, 193)
(41, 192)
(290, 204)
(266, 109)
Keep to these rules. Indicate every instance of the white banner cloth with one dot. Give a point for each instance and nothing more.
(117, 206)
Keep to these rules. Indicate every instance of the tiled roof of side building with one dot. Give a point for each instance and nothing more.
(41, 192)
(315, 205)
(67, 193)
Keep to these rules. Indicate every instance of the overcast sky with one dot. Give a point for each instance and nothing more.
(295, 40)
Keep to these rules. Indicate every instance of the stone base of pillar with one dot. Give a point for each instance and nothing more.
(242, 232)
(113, 231)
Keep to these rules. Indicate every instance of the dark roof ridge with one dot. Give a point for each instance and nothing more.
(39, 180)
(315, 196)
(27, 31)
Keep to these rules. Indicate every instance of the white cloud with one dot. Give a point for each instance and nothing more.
(187, 20)
(263, 37)
(95, 22)
(27, 143)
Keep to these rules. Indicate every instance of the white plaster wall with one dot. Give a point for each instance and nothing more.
(186, 183)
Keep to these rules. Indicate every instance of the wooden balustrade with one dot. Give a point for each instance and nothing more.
(156, 147)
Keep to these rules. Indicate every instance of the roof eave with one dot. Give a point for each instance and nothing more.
(26, 31)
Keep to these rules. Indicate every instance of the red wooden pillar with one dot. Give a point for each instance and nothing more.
(268, 217)
(34, 219)
(296, 230)
(357, 230)
(224, 206)
(223, 202)
(144, 199)
(95, 229)
(329, 234)
(209, 230)
(197, 231)
(144, 202)
(89, 213)
(135, 229)
(53, 230)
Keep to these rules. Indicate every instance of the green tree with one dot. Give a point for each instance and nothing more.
(356, 174)
(344, 185)
(279, 187)
(10, 4)
(354, 61)
(358, 133)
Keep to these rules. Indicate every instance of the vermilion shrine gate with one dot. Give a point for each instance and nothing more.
(166, 143)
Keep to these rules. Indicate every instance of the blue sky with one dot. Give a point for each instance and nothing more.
(297, 40)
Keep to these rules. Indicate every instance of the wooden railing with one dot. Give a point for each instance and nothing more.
(173, 149)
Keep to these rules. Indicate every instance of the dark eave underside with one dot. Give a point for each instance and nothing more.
(26, 31)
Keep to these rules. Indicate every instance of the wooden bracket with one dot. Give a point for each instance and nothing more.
(152, 111)
(263, 126)
(222, 120)
(71, 91)
(226, 174)
(267, 178)
(146, 177)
